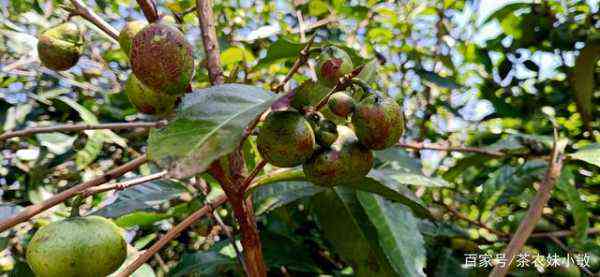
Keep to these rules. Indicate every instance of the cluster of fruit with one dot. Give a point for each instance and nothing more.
(161, 60)
(330, 153)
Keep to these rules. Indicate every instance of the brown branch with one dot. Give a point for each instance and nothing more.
(535, 210)
(253, 174)
(302, 59)
(123, 185)
(210, 41)
(459, 215)
(35, 209)
(230, 177)
(171, 234)
(80, 127)
(563, 233)
(229, 234)
(342, 83)
(426, 146)
(148, 7)
(89, 15)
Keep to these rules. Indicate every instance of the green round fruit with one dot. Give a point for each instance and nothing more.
(341, 104)
(147, 100)
(308, 94)
(326, 133)
(346, 161)
(286, 139)
(128, 32)
(333, 64)
(60, 47)
(161, 58)
(80, 246)
(378, 122)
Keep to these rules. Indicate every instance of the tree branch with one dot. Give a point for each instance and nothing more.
(80, 127)
(302, 59)
(342, 83)
(230, 177)
(426, 146)
(89, 15)
(458, 215)
(35, 209)
(171, 234)
(148, 7)
(210, 41)
(535, 210)
(123, 185)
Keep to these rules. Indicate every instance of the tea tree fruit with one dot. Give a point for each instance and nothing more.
(60, 47)
(378, 121)
(286, 139)
(326, 132)
(80, 246)
(147, 100)
(341, 104)
(333, 64)
(127, 34)
(161, 58)
(345, 161)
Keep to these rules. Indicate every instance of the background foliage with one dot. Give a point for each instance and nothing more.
(489, 74)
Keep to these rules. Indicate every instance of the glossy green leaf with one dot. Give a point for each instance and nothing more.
(281, 49)
(267, 198)
(437, 79)
(369, 72)
(506, 10)
(210, 123)
(143, 197)
(398, 234)
(566, 187)
(209, 263)
(335, 214)
(390, 190)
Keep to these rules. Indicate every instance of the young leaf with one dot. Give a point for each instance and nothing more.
(398, 233)
(210, 123)
(589, 154)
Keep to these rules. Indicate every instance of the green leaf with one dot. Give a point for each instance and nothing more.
(268, 198)
(281, 49)
(369, 72)
(335, 213)
(390, 190)
(589, 154)
(506, 10)
(142, 197)
(210, 123)
(566, 188)
(57, 143)
(143, 271)
(398, 234)
(317, 7)
(235, 55)
(437, 79)
(91, 150)
(209, 263)
(414, 179)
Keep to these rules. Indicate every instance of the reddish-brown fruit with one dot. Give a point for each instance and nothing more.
(147, 100)
(161, 58)
(341, 104)
(333, 64)
(286, 139)
(60, 47)
(378, 122)
(346, 161)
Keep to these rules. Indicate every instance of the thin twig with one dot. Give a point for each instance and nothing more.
(123, 185)
(35, 209)
(535, 210)
(148, 7)
(458, 215)
(563, 233)
(253, 174)
(171, 234)
(302, 59)
(210, 41)
(342, 83)
(427, 146)
(231, 238)
(80, 127)
(566, 249)
(89, 15)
